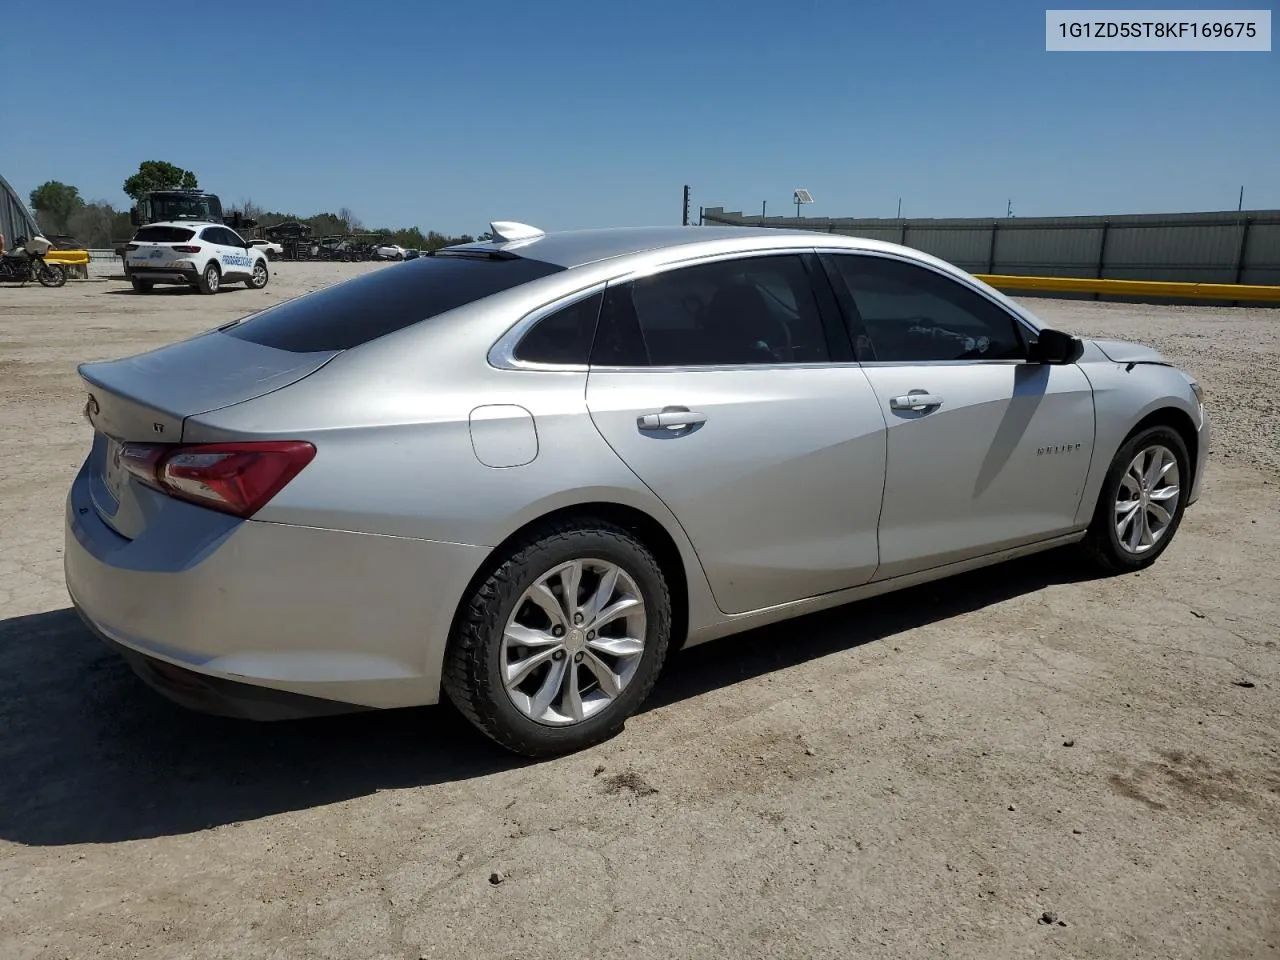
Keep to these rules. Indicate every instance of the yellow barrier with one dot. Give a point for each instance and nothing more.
(1136, 288)
(69, 257)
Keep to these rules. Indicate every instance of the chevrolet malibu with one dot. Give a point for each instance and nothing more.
(518, 473)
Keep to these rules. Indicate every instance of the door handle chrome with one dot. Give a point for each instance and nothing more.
(671, 418)
(915, 401)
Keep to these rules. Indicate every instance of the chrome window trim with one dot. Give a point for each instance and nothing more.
(1022, 323)
(502, 354)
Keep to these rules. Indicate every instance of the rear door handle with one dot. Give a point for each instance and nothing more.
(915, 401)
(671, 418)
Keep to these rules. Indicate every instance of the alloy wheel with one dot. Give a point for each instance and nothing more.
(573, 642)
(1147, 501)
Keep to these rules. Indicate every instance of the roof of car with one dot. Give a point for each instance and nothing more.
(574, 248)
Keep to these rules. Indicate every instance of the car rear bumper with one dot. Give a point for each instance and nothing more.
(174, 273)
(358, 619)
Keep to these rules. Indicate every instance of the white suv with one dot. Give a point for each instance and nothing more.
(201, 255)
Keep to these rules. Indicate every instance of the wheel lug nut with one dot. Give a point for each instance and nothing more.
(558, 655)
(591, 634)
(577, 658)
(557, 631)
(577, 618)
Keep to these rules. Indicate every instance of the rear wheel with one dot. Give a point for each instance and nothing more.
(1142, 501)
(562, 640)
(142, 286)
(258, 279)
(210, 280)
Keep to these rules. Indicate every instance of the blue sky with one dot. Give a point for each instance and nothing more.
(571, 114)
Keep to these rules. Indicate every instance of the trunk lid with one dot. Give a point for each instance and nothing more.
(152, 248)
(147, 399)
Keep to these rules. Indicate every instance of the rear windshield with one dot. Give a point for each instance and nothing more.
(164, 235)
(349, 314)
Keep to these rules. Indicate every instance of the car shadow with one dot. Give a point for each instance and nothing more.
(91, 755)
(173, 290)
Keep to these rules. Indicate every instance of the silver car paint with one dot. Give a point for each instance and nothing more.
(345, 584)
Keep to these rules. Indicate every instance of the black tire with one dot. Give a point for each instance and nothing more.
(1102, 545)
(473, 661)
(142, 286)
(256, 282)
(210, 281)
(51, 274)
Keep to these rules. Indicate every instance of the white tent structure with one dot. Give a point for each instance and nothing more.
(15, 219)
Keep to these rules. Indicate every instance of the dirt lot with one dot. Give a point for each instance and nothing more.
(919, 776)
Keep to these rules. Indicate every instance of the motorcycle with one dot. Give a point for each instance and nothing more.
(27, 263)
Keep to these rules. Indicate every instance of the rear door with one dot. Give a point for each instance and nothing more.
(723, 388)
(986, 449)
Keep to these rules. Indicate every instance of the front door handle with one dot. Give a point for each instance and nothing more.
(671, 418)
(916, 401)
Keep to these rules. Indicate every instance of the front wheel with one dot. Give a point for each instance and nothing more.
(1141, 503)
(562, 640)
(210, 280)
(142, 286)
(258, 279)
(51, 274)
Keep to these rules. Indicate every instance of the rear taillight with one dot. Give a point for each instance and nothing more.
(187, 249)
(236, 478)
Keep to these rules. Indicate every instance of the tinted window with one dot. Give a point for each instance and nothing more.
(163, 235)
(212, 235)
(349, 314)
(564, 336)
(746, 311)
(902, 313)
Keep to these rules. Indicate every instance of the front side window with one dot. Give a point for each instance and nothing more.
(563, 337)
(902, 313)
(753, 310)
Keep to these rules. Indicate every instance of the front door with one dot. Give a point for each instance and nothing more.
(715, 384)
(986, 450)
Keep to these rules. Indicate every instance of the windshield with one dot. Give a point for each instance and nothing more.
(186, 208)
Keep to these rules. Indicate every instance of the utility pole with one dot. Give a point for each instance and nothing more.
(899, 208)
(1240, 205)
(684, 219)
(1008, 210)
(764, 205)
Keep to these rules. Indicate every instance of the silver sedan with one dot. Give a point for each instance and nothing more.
(520, 472)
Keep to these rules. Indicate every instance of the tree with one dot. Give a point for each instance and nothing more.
(351, 220)
(55, 202)
(159, 175)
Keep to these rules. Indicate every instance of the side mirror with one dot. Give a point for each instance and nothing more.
(1056, 347)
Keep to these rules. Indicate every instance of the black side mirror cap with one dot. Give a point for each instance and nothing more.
(1056, 347)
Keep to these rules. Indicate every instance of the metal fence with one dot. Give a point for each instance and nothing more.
(1230, 247)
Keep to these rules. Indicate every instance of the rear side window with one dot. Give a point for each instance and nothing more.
(349, 314)
(564, 336)
(163, 235)
(753, 310)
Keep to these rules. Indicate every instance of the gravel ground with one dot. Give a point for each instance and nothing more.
(1019, 762)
